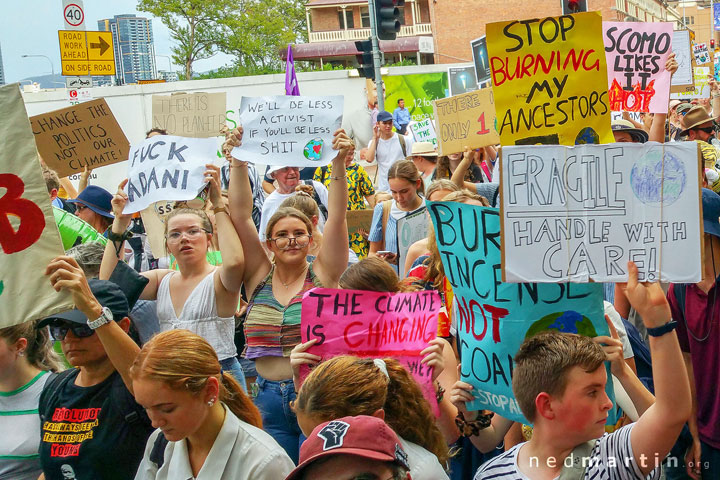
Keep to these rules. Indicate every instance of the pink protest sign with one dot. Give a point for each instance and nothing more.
(636, 53)
(375, 325)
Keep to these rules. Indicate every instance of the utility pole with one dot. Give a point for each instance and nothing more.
(377, 58)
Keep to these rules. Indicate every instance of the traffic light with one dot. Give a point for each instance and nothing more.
(573, 6)
(387, 19)
(712, 44)
(366, 67)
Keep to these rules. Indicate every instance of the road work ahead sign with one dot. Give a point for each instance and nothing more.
(86, 53)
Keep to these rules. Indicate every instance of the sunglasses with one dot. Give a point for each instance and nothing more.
(705, 129)
(59, 330)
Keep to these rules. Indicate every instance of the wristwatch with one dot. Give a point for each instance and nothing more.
(663, 329)
(105, 317)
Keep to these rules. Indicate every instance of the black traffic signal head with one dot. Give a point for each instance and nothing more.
(387, 17)
(366, 67)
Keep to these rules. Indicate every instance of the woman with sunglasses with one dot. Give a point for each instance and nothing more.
(272, 324)
(200, 297)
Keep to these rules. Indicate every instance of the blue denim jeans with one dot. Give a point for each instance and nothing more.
(279, 421)
(232, 366)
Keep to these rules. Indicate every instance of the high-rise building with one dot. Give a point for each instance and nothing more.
(134, 47)
(2, 70)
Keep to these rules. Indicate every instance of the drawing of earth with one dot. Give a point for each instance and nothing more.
(586, 136)
(568, 321)
(646, 178)
(313, 149)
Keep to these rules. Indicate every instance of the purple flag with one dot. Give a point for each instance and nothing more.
(291, 83)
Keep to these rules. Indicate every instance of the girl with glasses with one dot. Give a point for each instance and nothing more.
(200, 297)
(272, 324)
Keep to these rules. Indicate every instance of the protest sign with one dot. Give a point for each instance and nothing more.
(480, 60)
(495, 317)
(289, 131)
(165, 167)
(29, 239)
(359, 219)
(636, 53)
(418, 91)
(424, 131)
(701, 53)
(550, 81)
(153, 218)
(84, 135)
(466, 120)
(410, 229)
(683, 56)
(462, 79)
(198, 115)
(375, 325)
(581, 213)
(701, 88)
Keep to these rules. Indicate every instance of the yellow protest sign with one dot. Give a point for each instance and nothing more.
(466, 120)
(549, 80)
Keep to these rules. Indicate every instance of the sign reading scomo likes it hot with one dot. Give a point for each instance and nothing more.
(549, 80)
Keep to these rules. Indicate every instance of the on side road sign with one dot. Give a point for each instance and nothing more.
(86, 53)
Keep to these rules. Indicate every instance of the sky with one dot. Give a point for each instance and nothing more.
(29, 27)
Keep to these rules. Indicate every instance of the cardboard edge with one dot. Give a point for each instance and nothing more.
(701, 168)
(503, 277)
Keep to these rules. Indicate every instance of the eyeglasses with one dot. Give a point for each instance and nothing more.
(192, 233)
(79, 207)
(60, 330)
(283, 243)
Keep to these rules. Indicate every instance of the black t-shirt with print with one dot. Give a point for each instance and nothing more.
(96, 432)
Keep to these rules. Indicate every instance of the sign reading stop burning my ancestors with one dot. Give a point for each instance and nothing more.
(581, 213)
(84, 135)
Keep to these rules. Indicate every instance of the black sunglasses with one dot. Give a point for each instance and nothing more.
(60, 330)
(705, 129)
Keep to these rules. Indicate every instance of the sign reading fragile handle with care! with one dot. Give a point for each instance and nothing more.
(84, 135)
(289, 131)
(581, 213)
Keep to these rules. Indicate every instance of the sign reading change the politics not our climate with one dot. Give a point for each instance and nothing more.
(198, 115)
(495, 317)
(373, 324)
(83, 135)
(636, 53)
(289, 131)
(581, 213)
(466, 120)
(550, 81)
(29, 239)
(165, 167)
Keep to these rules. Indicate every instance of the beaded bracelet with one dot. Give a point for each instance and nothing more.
(439, 392)
(472, 428)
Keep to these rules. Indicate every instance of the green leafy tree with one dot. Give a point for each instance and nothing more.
(193, 24)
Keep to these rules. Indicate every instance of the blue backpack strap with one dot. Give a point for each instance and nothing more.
(157, 454)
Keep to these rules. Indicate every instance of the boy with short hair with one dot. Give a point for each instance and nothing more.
(559, 382)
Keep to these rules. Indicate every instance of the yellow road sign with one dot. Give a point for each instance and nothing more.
(86, 53)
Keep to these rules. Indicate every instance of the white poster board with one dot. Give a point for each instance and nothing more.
(410, 229)
(424, 131)
(684, 58)
(165, 167)
(289, 131)
(581, 213)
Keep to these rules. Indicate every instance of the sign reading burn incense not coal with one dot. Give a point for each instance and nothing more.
(636, 53)
(84, 135)
(289, 131)
(549, 80)
(581, 213)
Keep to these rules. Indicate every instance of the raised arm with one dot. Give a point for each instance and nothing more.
(370, 156)
(332, 259)
(458, 177)
(655, 432)
(256, 263)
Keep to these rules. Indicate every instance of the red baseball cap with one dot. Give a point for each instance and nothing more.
(361, 436)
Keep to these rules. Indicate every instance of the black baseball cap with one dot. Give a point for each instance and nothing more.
(107, 293)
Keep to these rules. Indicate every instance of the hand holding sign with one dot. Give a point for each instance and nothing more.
(118, 202)
(212, 175)
(299, 356)
(433, 357)
(647, 298)
(613, 348)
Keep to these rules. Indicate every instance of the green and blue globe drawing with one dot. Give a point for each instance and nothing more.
(568, 321)
(587, 136)
(313, 149)
(655, 181)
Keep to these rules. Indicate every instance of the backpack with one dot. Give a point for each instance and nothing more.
(401, 139)
(316, 197)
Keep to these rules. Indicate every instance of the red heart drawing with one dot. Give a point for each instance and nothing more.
(317, 148)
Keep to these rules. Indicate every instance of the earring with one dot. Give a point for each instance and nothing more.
(211, 402)
(21, 353)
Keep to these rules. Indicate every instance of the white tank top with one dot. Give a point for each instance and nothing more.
(199, 315)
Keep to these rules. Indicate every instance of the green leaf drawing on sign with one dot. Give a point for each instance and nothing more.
(2, 287)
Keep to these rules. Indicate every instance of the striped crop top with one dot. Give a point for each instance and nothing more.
(271, 329)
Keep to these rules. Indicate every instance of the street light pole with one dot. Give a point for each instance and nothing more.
(52, 67)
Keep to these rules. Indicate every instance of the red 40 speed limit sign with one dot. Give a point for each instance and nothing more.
(73, 14)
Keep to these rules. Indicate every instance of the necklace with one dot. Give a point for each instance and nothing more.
(302, 274)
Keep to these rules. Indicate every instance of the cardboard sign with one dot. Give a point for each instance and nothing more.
(466, 120)
(481, 61)
(683, 77)
(418, 90)
(198, 115)
(701, 88)
(462, 79)
(495, 317)
(636, 53)
(84, 135)
(410, 229)
(581, 213)
(29, 238)
(701, 53)
(424, 131)
(359, 219)
(550, 81)
(165, 167)
(375, 325)
(153, 218)
(289, 131)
